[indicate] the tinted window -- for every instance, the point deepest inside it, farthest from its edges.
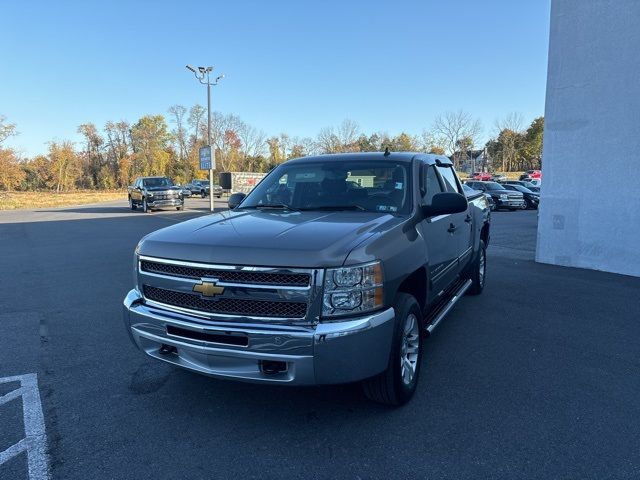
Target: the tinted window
(449, 178)
(432, 184)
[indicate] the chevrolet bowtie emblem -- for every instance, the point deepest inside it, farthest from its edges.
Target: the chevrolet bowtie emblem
(208, 289)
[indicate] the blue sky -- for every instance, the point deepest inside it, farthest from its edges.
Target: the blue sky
(290, 67)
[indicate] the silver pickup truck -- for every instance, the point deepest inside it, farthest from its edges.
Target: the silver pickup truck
(333, 269)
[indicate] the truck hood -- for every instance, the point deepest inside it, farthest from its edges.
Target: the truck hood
(267, 238)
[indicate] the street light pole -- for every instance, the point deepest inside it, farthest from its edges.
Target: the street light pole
(201, 73)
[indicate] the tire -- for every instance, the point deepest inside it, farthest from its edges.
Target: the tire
(397, 384)
(524, 206)
(145, 206)
(202, 194)
(132, 205)
(180, 207)
(478, 274)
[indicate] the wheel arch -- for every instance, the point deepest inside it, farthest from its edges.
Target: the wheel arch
(416, 284)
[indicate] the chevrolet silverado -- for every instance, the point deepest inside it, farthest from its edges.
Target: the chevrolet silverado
(333, 269)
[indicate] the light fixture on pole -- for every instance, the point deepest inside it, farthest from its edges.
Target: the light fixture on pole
(202, 74)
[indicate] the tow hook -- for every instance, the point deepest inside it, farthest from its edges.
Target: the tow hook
(167, 349)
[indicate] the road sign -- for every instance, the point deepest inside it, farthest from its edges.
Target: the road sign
(207, 162)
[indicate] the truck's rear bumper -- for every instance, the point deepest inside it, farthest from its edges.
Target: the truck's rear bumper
(327, 353)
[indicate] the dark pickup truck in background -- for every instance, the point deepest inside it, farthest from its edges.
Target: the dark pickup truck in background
(333, 269)
(201, 187)
(155, 192)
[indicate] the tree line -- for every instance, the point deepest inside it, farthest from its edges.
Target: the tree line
(111, 157)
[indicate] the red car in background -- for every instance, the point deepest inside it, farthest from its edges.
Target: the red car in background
(482, 176)
(534, 174)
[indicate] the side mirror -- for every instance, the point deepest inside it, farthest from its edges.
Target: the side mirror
(445, 203)
(235, 199)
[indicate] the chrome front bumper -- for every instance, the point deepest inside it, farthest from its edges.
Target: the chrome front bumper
(326, 353)
(167, 202)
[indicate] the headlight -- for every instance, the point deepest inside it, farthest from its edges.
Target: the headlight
(352, 289)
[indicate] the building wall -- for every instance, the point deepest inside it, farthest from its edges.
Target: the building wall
(590, 209)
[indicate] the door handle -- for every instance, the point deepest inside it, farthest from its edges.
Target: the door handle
(468, 218)
(452, 228)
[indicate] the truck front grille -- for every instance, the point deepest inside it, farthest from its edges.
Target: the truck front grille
(229, 306)
(228, 276)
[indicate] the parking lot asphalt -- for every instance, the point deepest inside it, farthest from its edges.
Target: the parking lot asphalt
(539, 377)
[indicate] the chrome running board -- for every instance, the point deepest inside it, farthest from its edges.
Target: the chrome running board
(441, 312)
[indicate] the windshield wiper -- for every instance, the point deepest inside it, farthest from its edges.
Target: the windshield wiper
(337, 207)
(275, 206)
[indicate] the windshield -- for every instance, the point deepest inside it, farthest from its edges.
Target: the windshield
(493, 186)
(157, 182)
(371, 186)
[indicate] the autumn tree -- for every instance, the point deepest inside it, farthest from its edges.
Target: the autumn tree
(65, 166)
(92, 157)
(150, 140)
(11, 172)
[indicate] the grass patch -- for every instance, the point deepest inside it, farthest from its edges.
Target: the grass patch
(16, 200)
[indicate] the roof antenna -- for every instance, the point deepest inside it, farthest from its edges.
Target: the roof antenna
(386, 151)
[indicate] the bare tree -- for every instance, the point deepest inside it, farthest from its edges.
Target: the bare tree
(348, 133)
(253, 144)
(342, 139)
(179, 133)
(513, 121)
(452, 127)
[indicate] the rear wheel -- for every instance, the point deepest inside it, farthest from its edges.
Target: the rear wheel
(479, 271)
(397, 384)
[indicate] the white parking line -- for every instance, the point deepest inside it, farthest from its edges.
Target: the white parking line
(35, 441)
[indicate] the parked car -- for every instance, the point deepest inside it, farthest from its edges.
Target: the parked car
(524, 183)
(502, 197)
(531, 174)
(470, 193)
(307, 281)
(483, 176)
(201, 187)
(185, 191)
(152, 193)
(532, 199)
(498, 178)
(535, 181)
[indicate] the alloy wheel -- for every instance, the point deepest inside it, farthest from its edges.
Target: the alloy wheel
(410, 349)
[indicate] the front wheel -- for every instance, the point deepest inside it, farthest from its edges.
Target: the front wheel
(145, 205)
(202, 194)
(479, 271)
(132, 205)
(397, 384)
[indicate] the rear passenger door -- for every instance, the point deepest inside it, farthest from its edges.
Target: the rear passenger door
(442, 249)
(460, 223)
